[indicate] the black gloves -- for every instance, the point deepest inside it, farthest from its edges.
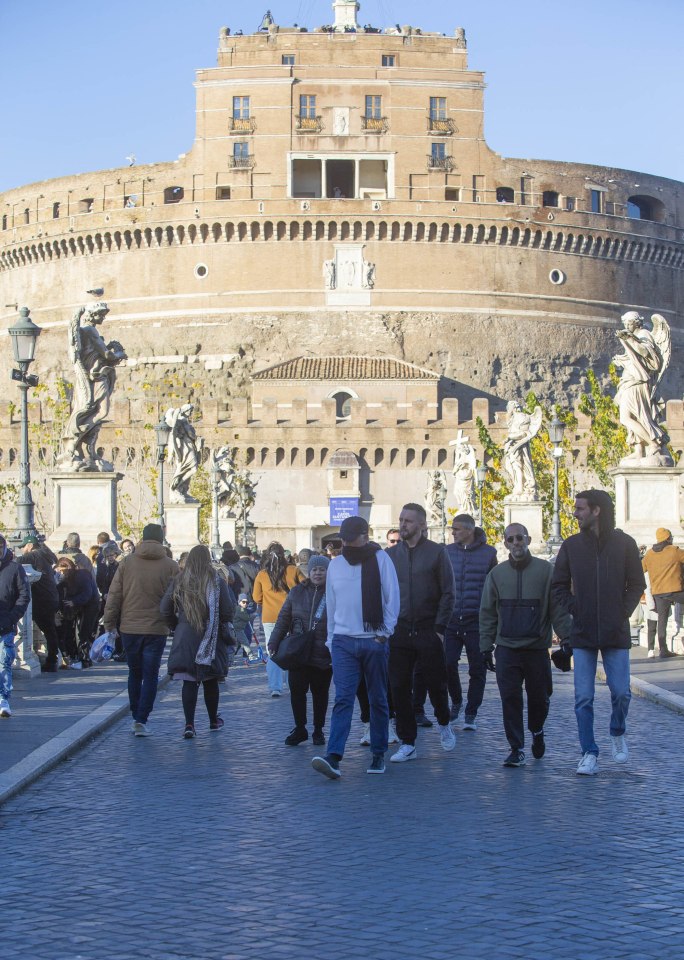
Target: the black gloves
(488, 658)
(562, 658)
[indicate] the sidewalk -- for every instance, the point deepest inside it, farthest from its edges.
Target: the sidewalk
(54, 714)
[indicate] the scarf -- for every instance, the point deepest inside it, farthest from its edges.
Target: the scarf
(206, 652)
(371, 585)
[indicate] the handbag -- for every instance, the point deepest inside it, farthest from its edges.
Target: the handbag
(295, 649)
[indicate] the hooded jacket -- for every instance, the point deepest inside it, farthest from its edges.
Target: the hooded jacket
(297, 615)
(15, 594)
(599, 581)
(137, 589)
(426, 584)
(471, 563)
(663, 564)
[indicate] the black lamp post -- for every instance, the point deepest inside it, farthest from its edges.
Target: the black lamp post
(24, 335)
(215, 482)
(481, 474)
(163, 431)
(556, 431)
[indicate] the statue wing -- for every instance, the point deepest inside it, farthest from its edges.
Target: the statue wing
(75, 336)
(663, 340)
(535, 422)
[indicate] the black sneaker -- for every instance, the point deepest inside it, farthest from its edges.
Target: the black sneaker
(328, 766)
(453, 713)
(667, 653)
(377, 764)
(422, 720)
(516, 758)
(538, 745)
(298, 735)
(318, 739)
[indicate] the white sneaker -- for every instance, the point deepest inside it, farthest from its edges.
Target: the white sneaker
(392, 732)
(470, 723)
(142, 730)
(75, 665)
(5, 708)
(588, 765)
(447, 736)
(365, 739)
(620, 749)
(405, 752)
(651, 654)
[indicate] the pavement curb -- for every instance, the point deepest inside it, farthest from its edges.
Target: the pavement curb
(44, 758)
(649, 691)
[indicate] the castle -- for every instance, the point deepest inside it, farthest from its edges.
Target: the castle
(340, 263)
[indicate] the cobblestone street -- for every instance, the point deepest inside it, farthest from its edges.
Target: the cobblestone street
(231, 847)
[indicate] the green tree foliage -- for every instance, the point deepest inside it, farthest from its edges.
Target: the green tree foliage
(607, 437)
(200, 489)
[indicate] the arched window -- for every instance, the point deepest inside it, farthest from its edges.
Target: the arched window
(645, 208)
(505, 195)
(342, 404)
(173, 194)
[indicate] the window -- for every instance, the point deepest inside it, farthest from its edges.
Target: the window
(646, 208)
(505, 195)
(388, 60)
(86, 205)
(596, 201)
(342, 405)
(27, 215)
(438, 151)
(438, 109)
(173, 194)
(570, 203)
(307, 106)
(55, 211)
(288, 60)
(373, 108)
(4, 221)
(240, 108)
(549, 198)
(241, 149)
(223, 193)
(452, 193)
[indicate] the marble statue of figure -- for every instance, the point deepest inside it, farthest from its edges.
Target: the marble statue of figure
(465, 464)
(435, 497)
(227, 474)
(94, 378)
(460, 35)
(517, 460)
(329, 274)
(644, 360)
(368, 274)
(186, 448)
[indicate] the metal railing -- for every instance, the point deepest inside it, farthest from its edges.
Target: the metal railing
(241, 163)
(443, 127)
(310, 124)
(440, 163)
(242, 125)
(374, 124)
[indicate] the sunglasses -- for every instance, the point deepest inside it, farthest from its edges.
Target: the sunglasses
(394, 541)
(516, 538)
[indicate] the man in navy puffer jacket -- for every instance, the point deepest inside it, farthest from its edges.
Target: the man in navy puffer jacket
(471, 558)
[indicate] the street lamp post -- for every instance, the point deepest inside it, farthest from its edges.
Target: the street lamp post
(556, 431)
(163, 431)
(481, 474)
(24, 335)
(215, 483)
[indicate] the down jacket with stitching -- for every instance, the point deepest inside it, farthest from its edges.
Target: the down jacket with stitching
(471, 563)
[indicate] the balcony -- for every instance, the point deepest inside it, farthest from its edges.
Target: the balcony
(241, 125)
(241, 163)
(309, 124)
(443, 128)
(440, 163)
(374, 124)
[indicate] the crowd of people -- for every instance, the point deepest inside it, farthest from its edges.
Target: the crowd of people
(387, 626)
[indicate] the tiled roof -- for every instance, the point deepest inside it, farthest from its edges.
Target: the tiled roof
(345, 368)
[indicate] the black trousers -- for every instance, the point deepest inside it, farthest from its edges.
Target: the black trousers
(533, 669)
(44, 617)
(364, 703)
(663, 604)
(317, 681)
(426, 650)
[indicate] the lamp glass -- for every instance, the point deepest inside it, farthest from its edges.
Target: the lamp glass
(163, 431)
(24, 335)
(556, 431)
(481, 472)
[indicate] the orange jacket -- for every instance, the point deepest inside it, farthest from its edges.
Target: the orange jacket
(272, 600)
(664, 569)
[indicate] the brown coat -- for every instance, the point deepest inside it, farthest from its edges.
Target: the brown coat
(137, 589)
(664, 568)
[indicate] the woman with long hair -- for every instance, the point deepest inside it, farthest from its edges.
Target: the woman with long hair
(271, 587)
(78, 595)
(199, 606)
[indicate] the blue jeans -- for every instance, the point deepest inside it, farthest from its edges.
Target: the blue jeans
(353, 657)
(143, 653)
(275, 676)
(616, 666)
(7, 653)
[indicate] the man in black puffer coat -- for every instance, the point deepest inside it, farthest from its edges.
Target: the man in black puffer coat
(598, 579)
(15, 596)
(304, 609)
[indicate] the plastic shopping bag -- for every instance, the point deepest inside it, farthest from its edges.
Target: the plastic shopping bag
(103, 647)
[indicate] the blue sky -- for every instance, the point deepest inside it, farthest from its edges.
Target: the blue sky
(85, 84)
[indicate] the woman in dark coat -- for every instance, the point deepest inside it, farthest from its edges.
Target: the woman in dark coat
(199, 607)
(78, 597)
(304, 609)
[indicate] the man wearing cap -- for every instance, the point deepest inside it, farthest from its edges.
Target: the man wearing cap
(45, 600)
(663, 565)
(362, 601)
(15, 597)
(132, 608)
(517, 615)
(598, 579)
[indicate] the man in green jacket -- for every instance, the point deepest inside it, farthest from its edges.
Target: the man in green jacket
(517, 615)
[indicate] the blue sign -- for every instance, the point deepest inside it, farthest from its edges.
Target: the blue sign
(341, 508)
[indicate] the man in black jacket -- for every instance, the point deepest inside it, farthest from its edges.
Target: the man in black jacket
(598, 579)
(15, 596)
(426, 588)
(45, 598)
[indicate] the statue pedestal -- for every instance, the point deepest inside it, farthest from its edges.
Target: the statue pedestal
(182, 526)
(226, 530)
(647, 498)
(85, 503)
(529, 513)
